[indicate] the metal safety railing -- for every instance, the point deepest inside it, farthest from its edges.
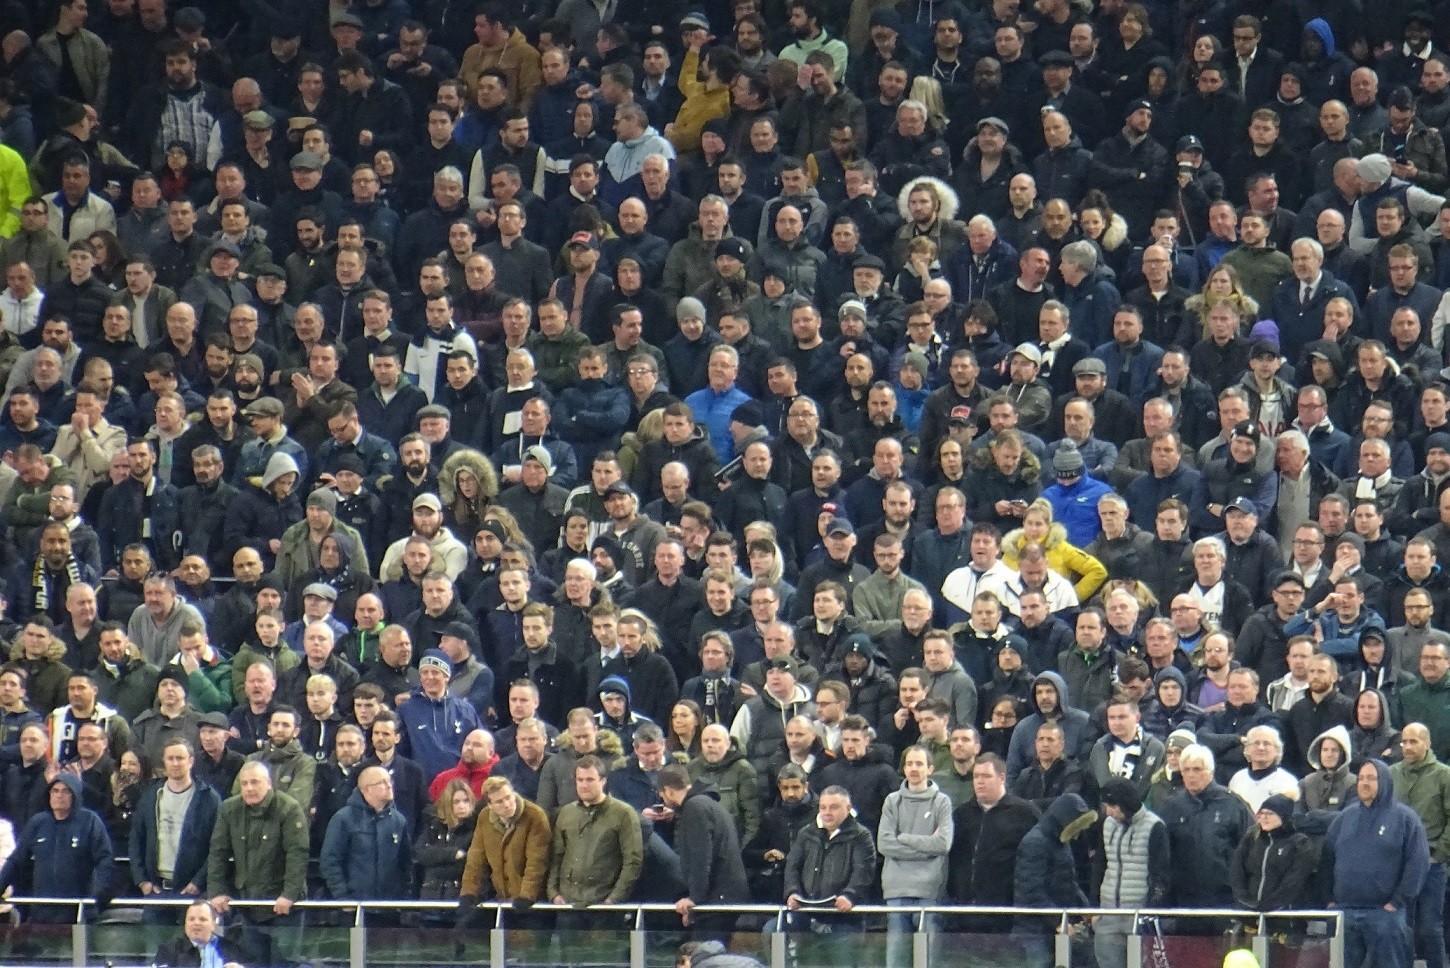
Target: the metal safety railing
(773, 921)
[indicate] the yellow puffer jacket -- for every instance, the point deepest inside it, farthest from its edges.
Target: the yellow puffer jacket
(1085, 572)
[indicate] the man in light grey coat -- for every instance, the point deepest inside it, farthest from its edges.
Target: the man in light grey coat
(914, 838)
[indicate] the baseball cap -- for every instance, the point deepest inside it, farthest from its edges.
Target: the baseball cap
(1028, 351)
(428, 501)
(838, 526)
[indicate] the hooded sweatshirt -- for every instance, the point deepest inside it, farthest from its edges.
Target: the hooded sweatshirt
(1378, 853)
(914, 838)
(1075, 725)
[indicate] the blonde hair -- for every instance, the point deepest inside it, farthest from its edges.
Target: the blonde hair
(444, 806)
(651, 426)
(1039, 506)
(928, 91)
(649, 631)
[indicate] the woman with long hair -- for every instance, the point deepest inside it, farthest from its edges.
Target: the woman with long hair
(442, 846)
(1106, 229)
(111, 257)
(686, 722)
(1222, 284)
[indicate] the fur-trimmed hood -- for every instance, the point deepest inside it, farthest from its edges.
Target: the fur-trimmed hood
(1029, 468)
(54, 652)
(1016, 539)
(950, 203)
(1199, 303)
(471, 460)
(1115, 234)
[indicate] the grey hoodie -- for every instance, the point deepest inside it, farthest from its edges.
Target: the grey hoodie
(914, 838)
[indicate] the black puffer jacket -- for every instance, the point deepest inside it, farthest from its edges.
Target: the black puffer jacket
(441, 852)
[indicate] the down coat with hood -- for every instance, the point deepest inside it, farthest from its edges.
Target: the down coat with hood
(1085, 572)
(1045, 875)
(985, 485)
(948, 233)
(1075, 723)
(1377, 854)
(1271, 871)
(483, 471)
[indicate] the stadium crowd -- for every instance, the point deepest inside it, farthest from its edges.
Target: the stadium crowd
(794, 451)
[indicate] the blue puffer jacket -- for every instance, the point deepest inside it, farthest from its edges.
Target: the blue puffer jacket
(1044, 876)
(367, 853)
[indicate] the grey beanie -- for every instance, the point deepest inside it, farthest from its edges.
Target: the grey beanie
(690, 308)
(917, 361)
(1067, 462)
(277, 465)
(1374, 169)
(323, 498)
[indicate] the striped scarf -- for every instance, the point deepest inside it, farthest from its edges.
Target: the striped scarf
(40, 580)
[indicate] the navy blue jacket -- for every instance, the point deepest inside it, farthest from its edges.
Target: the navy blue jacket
(192, 846)
(367, 853)
(61, 858)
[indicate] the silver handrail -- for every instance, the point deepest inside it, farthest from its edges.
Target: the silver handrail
(772, 913)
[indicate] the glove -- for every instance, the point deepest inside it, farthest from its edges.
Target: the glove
(523, 903)
(467, 902)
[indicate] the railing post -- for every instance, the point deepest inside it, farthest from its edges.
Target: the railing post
(637, 941)
(1336, 943)
(80, 940)
(1260, 946)
(1062, 944)
(1134, 942)
(357, 945)
(778, 944)
(497, 956)
(921, 941)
